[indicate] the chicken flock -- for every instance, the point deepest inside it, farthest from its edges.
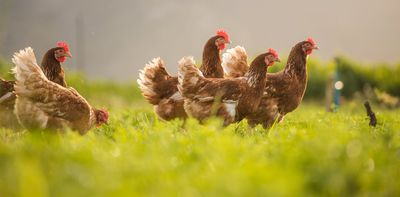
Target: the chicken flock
(226, 85)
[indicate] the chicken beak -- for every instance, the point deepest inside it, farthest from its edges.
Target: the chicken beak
(228, 42)
(277, 60)
(68, 54)
(316, 47)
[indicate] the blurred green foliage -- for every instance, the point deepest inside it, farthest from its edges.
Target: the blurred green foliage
(356, 76)
(5, 69)
(312, 153)
(104, 93)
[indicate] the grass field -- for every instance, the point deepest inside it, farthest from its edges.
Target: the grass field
(312, 153)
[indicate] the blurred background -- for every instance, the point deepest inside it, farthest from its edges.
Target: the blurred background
(113, 39)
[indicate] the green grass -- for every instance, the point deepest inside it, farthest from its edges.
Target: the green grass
(312, 153)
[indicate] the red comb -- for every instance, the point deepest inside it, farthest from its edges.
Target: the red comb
(221, 32)
(105, 112)
(310, 40)
(63, 45)
(273, 52)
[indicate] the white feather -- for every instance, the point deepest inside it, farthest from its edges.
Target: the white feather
(177, 96)
(231, 57)
(230, 107)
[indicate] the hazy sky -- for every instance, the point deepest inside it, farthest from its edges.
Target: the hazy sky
(120, 36)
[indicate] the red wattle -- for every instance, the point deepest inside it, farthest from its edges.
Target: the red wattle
(221, 47)
(61, 59)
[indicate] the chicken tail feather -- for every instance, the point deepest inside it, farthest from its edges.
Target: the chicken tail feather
(234, 62)
(188, 75)
(153, 74)
(25, 65)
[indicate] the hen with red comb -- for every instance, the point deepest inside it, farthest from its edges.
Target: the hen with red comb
(231, 99)
(284, 90)
(101, 116)
(222, 39)
(43, 104)
(51, 63)
(310, 46)
(51, 66)
(211, 62)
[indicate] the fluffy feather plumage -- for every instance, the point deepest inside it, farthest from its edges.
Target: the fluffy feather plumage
(284, 90)
(159, 88)
(44, 104)
(52, 69)
(234, 62)
(232, 99)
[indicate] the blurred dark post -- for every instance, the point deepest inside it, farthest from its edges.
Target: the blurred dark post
(329, 88)
(338, 85)
(336, 97)
(80, 43)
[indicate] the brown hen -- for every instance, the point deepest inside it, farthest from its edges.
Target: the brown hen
(43, 104)
(284, 90)
(231, 99)
(51, 65)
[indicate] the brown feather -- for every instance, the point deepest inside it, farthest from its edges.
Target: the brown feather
(211, 64)
(160, 88)
(201, 94)
(42, 103)
(284, 90)
(53, 71)
(52, 68)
